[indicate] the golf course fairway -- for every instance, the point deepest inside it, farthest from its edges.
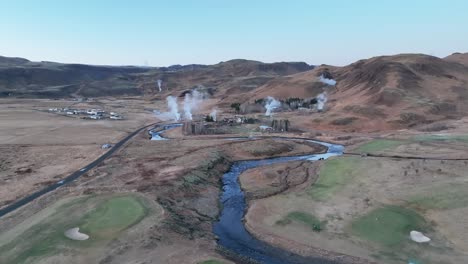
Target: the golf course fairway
(103, 218)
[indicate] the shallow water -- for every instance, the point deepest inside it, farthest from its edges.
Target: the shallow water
(156, 135)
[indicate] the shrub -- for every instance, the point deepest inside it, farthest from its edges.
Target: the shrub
(209, 118)
(260, 101)
(251, 120)
(236, 107)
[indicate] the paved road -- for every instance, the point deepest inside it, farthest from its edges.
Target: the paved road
(70, 177)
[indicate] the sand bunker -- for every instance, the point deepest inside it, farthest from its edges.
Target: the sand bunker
(419, 237)
(74, 234)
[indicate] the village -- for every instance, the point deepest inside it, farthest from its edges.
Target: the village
(93, 114)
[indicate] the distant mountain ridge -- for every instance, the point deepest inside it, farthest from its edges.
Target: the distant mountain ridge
(12, 61)
(23, 78)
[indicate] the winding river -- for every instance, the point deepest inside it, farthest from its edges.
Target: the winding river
(230, 228)
(156, 134)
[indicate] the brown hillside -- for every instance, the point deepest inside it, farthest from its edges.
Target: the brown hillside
(386, 92)
(461, 58)
(226, 79)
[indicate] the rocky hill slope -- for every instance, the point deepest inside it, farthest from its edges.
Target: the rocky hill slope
(382, 92)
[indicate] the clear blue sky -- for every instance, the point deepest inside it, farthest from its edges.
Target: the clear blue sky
(132, 32)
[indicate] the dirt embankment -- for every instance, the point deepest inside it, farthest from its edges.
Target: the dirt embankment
(271, 180)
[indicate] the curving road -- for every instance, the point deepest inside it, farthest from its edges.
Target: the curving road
(71, 177)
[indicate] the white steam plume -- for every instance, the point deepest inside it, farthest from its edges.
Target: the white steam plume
(191, 103)
(159, 85)
(188, 107)
(173, 107)
(271, 104)
(321, 100)
(213, 114)
(327, 81)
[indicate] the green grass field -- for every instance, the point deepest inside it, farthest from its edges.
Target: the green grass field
(443, 138)
(304, 218)
(333, 175)
(389, 226)
(442, 197)
(379, 144)
(102, 218)
(386, 144)
(112, 216)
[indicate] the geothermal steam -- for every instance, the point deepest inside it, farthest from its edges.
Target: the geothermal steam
(271, 104)
(213, 114)
(173, 108)
(321, 100)
(159, 84)
(327, 81)
(191, 103)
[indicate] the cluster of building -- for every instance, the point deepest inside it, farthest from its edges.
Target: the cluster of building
(236, 119)
(95, 114)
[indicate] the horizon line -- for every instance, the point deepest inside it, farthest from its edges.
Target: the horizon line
(223, 61)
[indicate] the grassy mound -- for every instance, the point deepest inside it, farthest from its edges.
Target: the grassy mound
(112, 216)
(269, 147)
(389, 226)
(102, 218)
(334, 174)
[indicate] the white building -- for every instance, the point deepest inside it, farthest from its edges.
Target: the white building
(95, 112)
